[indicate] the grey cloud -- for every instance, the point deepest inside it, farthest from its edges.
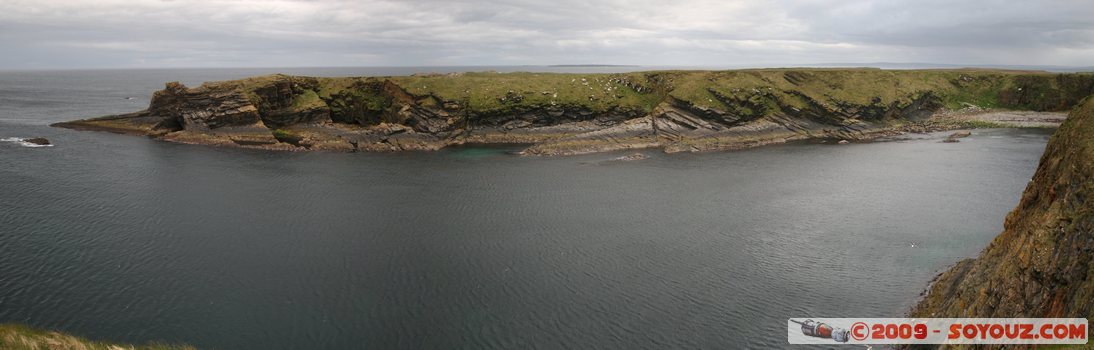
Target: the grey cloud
(151, 33)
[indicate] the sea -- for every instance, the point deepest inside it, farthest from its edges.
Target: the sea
(129, 239)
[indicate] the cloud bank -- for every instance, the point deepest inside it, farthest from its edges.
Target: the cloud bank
(266, 33)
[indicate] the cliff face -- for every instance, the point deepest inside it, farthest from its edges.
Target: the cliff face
(1042, 264)
(560, 114)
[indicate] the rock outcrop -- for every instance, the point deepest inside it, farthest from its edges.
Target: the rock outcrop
(1042, 264)
(566, 114)
(41, 141)
(955, 137)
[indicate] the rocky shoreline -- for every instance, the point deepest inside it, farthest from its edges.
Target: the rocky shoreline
(569, 114)
(1041, 264)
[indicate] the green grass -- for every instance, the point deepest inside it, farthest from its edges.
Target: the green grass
(749, 92)
(854, 86)
(984, 124)
(307, 100)
(282, 134)
(483, 92)
(488, 92)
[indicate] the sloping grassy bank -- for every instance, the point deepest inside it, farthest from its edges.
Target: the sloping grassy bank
(20, 337)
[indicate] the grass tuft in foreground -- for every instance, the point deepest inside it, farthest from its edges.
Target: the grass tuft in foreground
(20, 337)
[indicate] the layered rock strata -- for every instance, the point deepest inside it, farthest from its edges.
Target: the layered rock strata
(567, 114)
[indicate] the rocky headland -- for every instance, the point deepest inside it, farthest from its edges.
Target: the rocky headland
(566, 114)
(1042, 264)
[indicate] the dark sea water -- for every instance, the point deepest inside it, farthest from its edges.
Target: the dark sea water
(129, 239)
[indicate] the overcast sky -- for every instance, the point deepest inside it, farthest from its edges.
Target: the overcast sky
(279, 33)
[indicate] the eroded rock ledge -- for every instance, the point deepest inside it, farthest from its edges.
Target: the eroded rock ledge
(566, 114)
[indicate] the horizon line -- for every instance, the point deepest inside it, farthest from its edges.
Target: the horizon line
(878, 65)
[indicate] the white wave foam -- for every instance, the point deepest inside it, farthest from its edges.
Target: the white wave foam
(23, 143)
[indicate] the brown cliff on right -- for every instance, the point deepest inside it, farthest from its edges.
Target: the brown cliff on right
(1041, 264)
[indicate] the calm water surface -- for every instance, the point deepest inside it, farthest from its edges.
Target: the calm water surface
(130, 239)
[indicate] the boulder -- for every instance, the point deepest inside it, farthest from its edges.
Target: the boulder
(41, 141)
(631, 157)
(955, 136)
(960, 134)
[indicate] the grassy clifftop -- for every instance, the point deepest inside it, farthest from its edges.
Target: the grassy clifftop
(494, 93)
(956, 88)
(677, 111)
(500, 93)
